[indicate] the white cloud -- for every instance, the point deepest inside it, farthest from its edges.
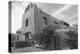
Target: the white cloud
(62, 9)
(17, 12)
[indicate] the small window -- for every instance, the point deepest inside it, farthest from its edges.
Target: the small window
(45, 20)
(26, 22)
(28, 7)
(17, 38)
(66, 24)
(56, 22)
(31, 5)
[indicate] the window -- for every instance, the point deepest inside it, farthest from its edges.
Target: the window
(17, 38)
(31, 5)
(28, 7)
(45, 20)
(66, 24)
(26, 22)
(55, 22)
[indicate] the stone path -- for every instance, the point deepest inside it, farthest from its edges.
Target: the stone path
(27, 49)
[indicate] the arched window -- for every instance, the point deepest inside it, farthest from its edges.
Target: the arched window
(26, 22)
(28, 7)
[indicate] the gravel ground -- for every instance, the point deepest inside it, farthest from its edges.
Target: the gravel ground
(27, 49)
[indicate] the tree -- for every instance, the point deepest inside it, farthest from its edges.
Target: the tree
(73, 41)
(44, 38)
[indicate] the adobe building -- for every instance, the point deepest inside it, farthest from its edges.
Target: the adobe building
(34, 20)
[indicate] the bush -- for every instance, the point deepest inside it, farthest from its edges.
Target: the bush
(73, 41)
(22, 44)
(44, 38)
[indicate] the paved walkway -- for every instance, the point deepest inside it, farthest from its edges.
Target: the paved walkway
(27, 49)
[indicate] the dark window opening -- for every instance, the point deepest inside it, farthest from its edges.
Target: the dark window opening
(18, 38)
(66, 24)
(26, 22)
(56, 22)
(45, 20)
(31, 5)
(28, 7)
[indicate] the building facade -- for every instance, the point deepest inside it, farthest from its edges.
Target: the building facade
(34, 20)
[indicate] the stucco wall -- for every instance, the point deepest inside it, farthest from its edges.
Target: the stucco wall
(30, 16)
(36, 21)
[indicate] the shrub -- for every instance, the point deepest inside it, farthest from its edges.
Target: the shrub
(44, 38)
(73, 41)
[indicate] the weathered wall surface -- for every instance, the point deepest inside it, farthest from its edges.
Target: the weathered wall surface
(36, 22)
(30, 16)
(38, 19)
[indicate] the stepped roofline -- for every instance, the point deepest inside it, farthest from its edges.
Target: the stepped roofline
(31, 5)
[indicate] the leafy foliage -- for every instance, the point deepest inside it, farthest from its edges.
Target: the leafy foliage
(44, 37)
(73, 41)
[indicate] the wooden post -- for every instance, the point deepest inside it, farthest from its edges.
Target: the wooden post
(9, 28)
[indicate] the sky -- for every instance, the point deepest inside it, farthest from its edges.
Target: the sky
(65, 12)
